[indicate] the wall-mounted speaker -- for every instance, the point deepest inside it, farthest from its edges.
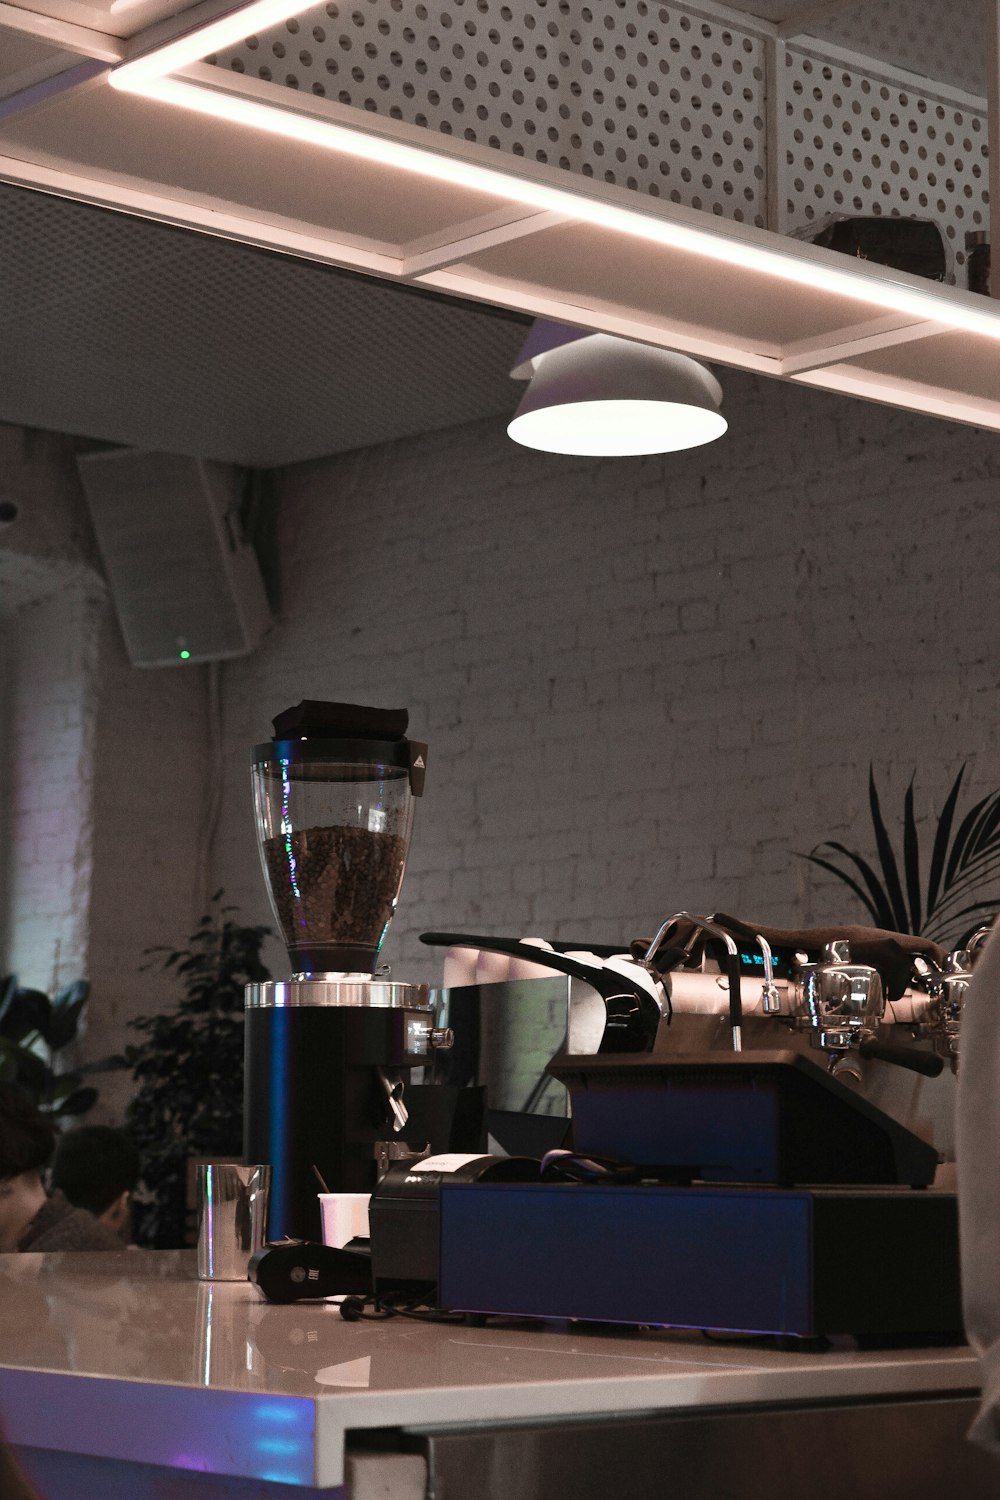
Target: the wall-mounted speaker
(185, 584)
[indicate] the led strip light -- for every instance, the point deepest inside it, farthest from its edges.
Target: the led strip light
(149, 76)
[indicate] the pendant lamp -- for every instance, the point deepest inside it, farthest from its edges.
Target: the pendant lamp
(595, 395)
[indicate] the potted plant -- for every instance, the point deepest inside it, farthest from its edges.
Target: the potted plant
(189, 1069)
(34, 1030)
(953, 900)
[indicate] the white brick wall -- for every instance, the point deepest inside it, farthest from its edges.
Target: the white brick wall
(50, 713)
(103, 771)
(645, 683)
(148, 799)
(50, 599)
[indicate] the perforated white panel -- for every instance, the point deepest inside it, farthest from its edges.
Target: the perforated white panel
(857, 143)
(671, 100)
(125, 329)
(659, 98)
(942, 40)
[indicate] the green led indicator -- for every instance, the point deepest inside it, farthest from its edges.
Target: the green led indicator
(185, 655)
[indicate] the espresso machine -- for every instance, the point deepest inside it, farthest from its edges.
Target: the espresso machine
(331, 1050)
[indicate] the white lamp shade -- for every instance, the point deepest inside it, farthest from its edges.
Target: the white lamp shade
(600, 396)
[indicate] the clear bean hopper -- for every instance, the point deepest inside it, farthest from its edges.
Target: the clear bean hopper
(334, 819)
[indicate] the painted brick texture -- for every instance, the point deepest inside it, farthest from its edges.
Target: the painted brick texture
(645, 683)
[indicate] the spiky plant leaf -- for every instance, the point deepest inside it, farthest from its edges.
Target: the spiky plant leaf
(960, 867)
(887, 859)
(911, 860)
(875, 900)
(962, 838)
(941, 836)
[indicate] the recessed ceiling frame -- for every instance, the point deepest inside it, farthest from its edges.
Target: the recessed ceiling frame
(164, 64)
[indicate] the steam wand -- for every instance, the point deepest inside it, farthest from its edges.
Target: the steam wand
(732, 965)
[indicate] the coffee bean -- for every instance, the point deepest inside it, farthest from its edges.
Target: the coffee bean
(335, 884)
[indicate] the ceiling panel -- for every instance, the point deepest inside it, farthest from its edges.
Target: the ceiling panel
(125, 330)
(954, 361)
(25, 61)
(755, 313)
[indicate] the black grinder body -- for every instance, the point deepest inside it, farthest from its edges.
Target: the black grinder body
(316, 1100)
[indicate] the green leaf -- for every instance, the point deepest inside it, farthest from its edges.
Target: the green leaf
(188, 1065)
(60, 1086)
(887, 859)
(962, 837)
(964, 938)
(941, 837)
(985, 836)
(24, 1067)
(911, 860)
(76, 1103)
(8, 987)
(115, 1062)
(877, 902)
(62, 1024)
(984, 910)
(978, 873)
(26, 1011)
(72, 994)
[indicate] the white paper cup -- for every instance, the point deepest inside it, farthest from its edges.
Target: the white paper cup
(344, 1216)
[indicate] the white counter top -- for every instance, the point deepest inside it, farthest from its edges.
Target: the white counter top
(130, 1357)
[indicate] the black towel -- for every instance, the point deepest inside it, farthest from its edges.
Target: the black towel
(340, 721)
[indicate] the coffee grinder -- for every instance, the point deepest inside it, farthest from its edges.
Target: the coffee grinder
(329, 1052)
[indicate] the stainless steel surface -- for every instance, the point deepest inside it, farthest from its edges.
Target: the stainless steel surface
(394, 1095)
(506, 1033)
(707, 925)
(387, 1152)
(342, 990)
(232, 1218)
(770, 999)
(838, 1002)
(942, 1020)
(977, 941)
(890, 1451)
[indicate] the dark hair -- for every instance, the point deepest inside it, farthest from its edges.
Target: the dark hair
(94, 1165)
(26, 1135)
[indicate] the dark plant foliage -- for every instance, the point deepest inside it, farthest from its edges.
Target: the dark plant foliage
(964, 862)
(189, 1068)
(34, 1029)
